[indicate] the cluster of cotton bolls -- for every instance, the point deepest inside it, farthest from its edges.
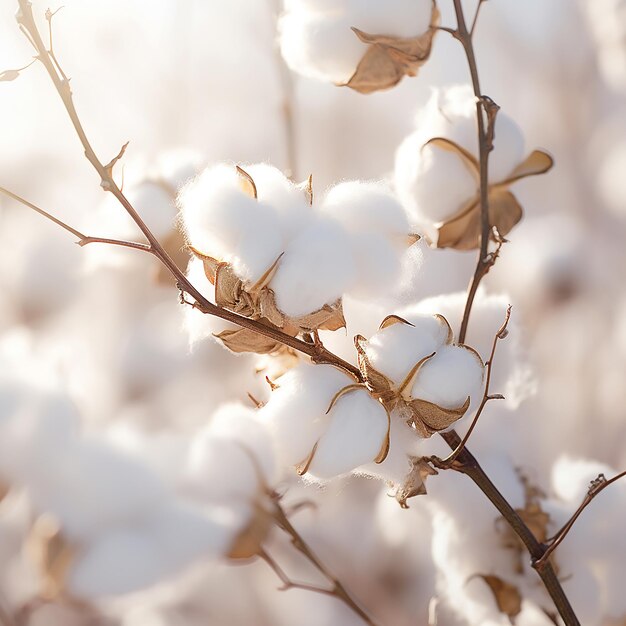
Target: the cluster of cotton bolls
(317, 39)
(270, 251)
(417, 382)
(107, 523)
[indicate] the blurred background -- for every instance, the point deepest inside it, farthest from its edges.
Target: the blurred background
(203, 81)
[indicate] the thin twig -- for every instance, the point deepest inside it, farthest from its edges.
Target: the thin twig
(317, 353)
(465, 460)
(287, 582)
(448, 462)
(596, 487)
(475, 20)
(338, 590)
(83, 239)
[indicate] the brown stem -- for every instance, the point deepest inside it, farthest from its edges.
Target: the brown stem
(317, 353)
(338, 590)
(482, 266)
(501, 334)
(597, 486)
(465, 461)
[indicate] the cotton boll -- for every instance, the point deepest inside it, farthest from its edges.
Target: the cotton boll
(571, 477)
(221, 469)
(223, 222)
(394, 350)
(316, 269)
(91, 487)
(450, 377)
(356, 432)
(319, 46)
(288, 200)
(136, 557)
(296, 410)
(403, 444)
(317, 40)
(241, 424)
(432, 183)
(378, 265)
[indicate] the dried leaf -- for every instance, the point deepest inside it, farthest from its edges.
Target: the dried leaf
(388, 59)
(9, 75)
(249, 541)
(384, 448)
(538, 162)
(507, 596)
(446, 323)
(51, 553)
(265, 280)
(210, 264)
(309, 189)
(303, 468)
(415, 482)
(228, 290)
(242, 340)
(329, 317)
(378, 383)
(462, 232)
(412, 238)
(469, 160)
(342, 392)
(246, 183)
(430, 418)
(390, 320)
(536, 519)
(409, 379)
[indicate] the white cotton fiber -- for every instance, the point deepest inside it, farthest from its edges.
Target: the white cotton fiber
(357, 429)
(453, 374)
(434, 183)
(90, 487)
(403, 444)
(139, 556)
(317, 41)
(367, 207)
(222, 221)
(394, 350)
(296, 411)
(378, 228)
(316, 269)
(289, 201)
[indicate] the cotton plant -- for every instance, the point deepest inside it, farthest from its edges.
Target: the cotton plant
(283, 272)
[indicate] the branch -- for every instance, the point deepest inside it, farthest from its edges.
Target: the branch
(598, 485)
(448, 462)
(317, 353)
(338, 590)
(83, 240)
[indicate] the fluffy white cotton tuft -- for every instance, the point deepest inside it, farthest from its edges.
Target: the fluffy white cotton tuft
(394, 350)
(434, 183)
(450, 377)
(316, 269)
(296, 411)
(316, 37)
(222, 221)
(231, 458)
(356, 432)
